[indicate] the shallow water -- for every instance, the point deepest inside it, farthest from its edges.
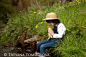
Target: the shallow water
(17, 52)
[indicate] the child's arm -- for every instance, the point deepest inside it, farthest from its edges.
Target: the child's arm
(49, 35)
(49, 28)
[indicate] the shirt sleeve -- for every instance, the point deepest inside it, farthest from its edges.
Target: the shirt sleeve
(61, 31)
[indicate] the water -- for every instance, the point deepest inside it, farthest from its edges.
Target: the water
(17, 52)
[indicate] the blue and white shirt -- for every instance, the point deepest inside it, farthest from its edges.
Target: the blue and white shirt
(61, 30)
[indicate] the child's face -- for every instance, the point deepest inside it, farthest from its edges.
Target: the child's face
(51, 24)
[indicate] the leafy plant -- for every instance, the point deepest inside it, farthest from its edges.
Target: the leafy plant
(5, 10)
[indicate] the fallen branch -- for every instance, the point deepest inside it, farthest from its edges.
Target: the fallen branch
(35, 38)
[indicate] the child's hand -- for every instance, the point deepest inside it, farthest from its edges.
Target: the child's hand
(48, 38)
(50, 32)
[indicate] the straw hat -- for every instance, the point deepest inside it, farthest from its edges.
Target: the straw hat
(51, 16)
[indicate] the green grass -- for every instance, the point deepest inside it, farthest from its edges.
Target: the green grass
(1, 24)
(72, 15)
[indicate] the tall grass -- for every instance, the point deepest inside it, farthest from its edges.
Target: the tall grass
(72, 14)
(74, 43)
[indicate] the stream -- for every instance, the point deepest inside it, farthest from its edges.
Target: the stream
(16, 52)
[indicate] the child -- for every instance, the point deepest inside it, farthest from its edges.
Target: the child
(57, 32)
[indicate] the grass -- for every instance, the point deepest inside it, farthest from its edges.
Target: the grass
(1, 24)
(71, 14)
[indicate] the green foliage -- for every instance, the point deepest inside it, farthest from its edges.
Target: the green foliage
(74, 43)
(71, 14)
(4, 10)
(1, 24)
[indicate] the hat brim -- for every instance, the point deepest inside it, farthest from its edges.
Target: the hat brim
(51, 19)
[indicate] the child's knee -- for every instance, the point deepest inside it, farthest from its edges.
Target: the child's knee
(42, 46)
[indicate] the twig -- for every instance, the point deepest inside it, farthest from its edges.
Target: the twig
(38, 5)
